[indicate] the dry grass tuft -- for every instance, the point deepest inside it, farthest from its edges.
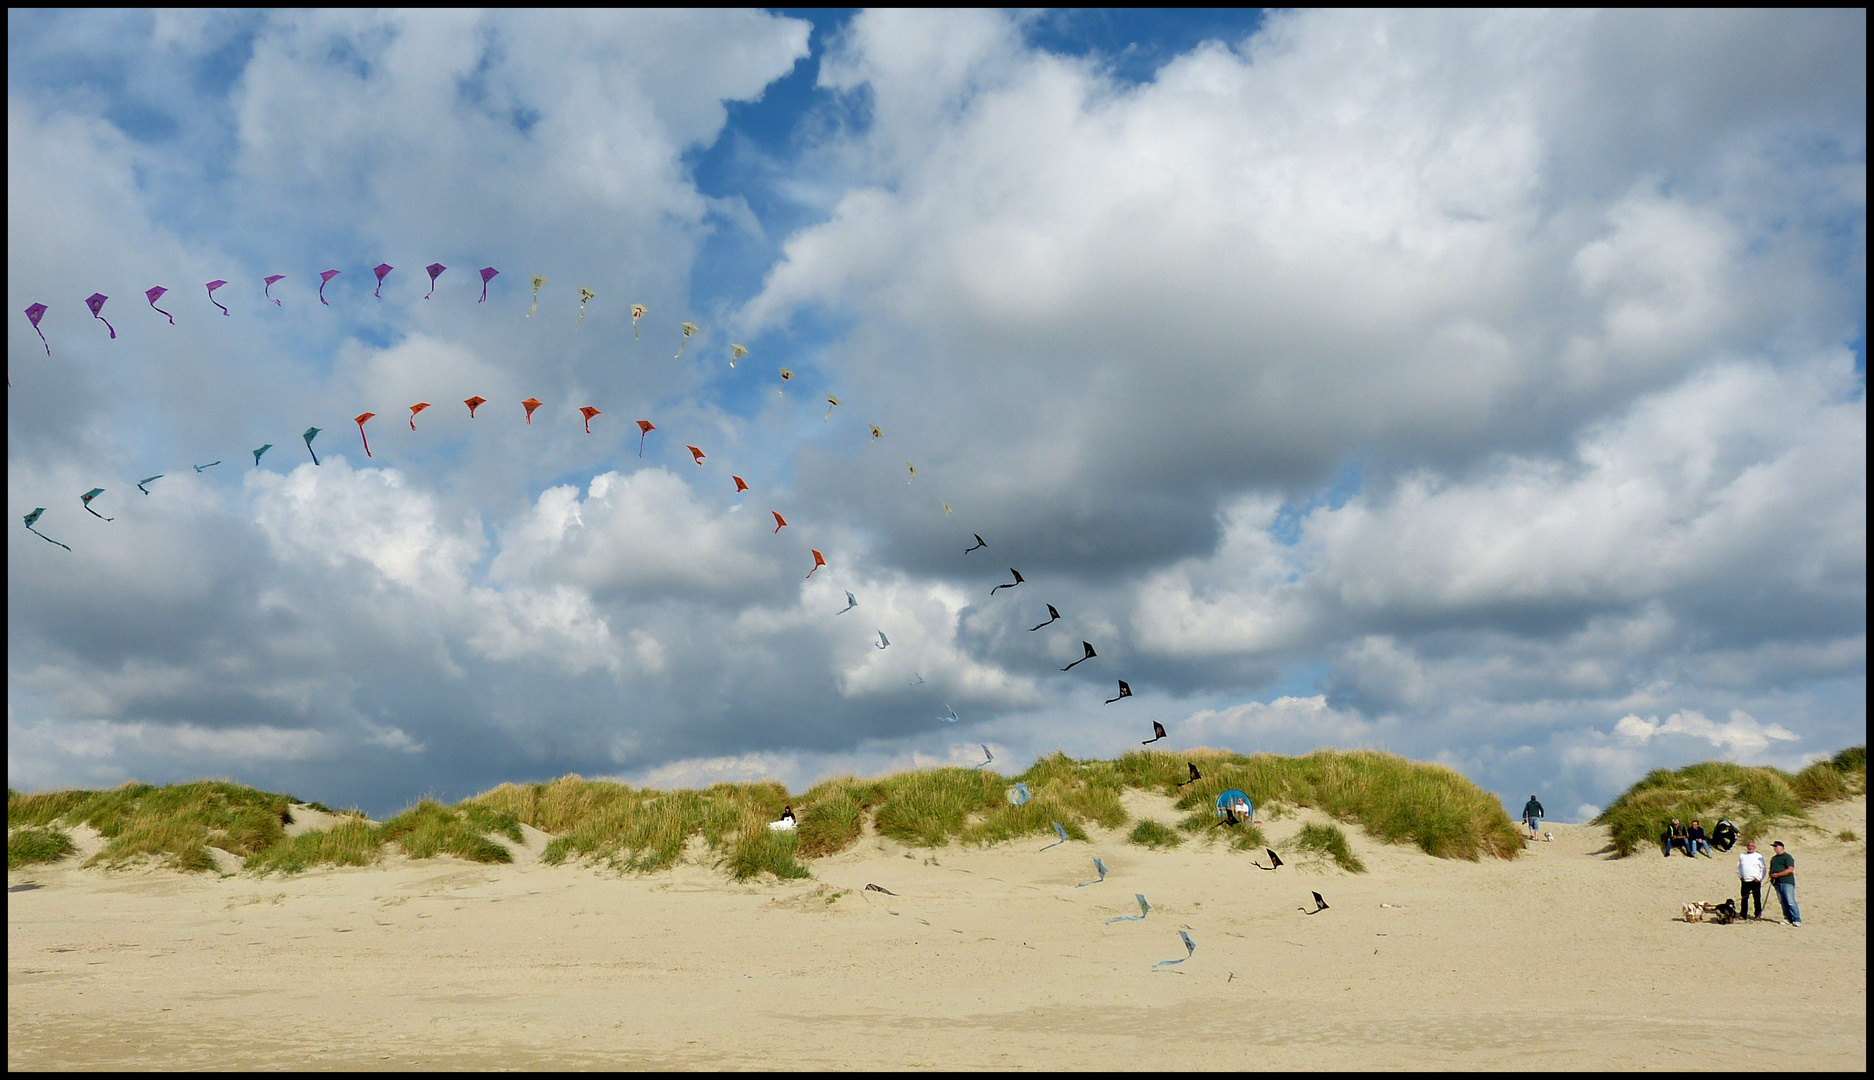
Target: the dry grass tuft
(31, 845)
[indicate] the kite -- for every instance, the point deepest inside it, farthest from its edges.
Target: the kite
(86, 499)
(1144, 910)
(688, 329)
(916, 680)
(980, 543)
(741, 485)
(637, 312)
(359, 420)
(153, 294)
(851, 602)
(96, 303)
(645, 427)
(987, 756)
(779, 521)
(1058, 831)
(488, 274)
(876, 432)
(697, 454)
(538, 281)
(325, 276)
(830, 402)
(473, 404)
(259, 452)
(414, 409)
(819, 560)
(883, 641)
(210, 465)
(588, 412)
(1011, 584)
(530, 405)
(1274, 860)
(950, 719)
(33, 517)
(1087, 645)
(1019, 794)
(786, 374)
(1158, 732)
(913, 469)
(435, 271)
(1097, 865)
(381, 269)
(1195, 775)
(1235, 808)
(878, 888)
(35, 312)
(736, 352)
(1320, 905)
(266, 289)
(148, 480)
(1053, 617)
(585, 294)
(311, 433)
(1125, 690)
(946, 509)
(1189, 948)
(212, 286)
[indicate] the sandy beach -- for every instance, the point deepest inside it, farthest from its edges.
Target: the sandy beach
(984, 959)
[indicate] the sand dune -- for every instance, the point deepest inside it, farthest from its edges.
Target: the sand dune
(985, 958)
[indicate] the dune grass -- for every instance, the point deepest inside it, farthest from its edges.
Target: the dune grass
(354, 842)
(1754, 797)
(1330, 842)
(31, 845)
(1153, 835)
(175, 825)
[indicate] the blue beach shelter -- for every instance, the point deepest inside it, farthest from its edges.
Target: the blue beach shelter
(1237, 801)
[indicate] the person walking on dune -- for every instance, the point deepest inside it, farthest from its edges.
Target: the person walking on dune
(1783, 877)
(1750, 874)
(1532, 816)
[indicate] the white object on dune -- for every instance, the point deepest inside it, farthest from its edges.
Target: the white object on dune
(783, 825)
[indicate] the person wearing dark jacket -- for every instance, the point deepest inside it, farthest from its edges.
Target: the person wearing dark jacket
(1532, 815)
(1676, 838)
(1695, 839)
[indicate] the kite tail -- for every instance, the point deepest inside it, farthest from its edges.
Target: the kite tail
(484, 298)
(44, 537)
(160, 311)
(322, 298)
(634, 331)
(217, 303)
(48, 345)
(108, 326)
(535, 306)
(367, 442)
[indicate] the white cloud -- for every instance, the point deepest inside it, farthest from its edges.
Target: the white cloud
(1742, 734)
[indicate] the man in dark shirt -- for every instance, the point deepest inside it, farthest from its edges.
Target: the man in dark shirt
(1783, 877)
(1532, 815)
(1695, 839)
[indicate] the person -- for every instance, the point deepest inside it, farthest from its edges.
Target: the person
(1724, 834)
(1675, 838)
(1532, 815)
(1783, 877)
(1750, 874)
(1695, 839)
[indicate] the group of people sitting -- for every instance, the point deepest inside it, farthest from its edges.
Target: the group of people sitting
(1691, 839)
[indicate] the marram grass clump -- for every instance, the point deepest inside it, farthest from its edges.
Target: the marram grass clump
(1329, 842)
(1753, 797)
(28, 846)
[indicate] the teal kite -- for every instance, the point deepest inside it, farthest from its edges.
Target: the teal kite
(148, 480)
(86, 499)
(259, 452)
(308, 436)
(33, 517)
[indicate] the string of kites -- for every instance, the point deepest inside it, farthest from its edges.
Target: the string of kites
(36, 312)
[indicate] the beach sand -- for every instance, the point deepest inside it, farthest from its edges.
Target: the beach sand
(985, 958)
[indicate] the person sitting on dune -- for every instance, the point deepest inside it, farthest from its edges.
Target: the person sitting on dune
(1675, 839)
(786, 821)
(1695, 839)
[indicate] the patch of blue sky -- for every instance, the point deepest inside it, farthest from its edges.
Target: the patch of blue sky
(1132, 44)
(1345, 484)
(1302, 680)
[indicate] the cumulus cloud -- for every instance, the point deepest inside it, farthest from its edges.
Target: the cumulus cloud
(1443, 382)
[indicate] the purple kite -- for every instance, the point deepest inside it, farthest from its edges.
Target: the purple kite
(96, 303)
(324, 277)
(435, 271)
(487, 273)
(34, 314)
(212, 286)
(153, 294)
(268, 291)
(380, 270)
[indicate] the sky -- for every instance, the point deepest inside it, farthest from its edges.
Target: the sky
(1485, 388)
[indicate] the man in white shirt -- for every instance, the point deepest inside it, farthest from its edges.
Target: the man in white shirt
(1750, 872)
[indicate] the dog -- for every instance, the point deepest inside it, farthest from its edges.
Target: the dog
(1721, 913)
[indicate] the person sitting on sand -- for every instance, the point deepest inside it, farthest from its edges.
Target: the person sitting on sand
(1750, 873)
(1695, 839)
(1675, 839)
(786, 820)
(1532, 816)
